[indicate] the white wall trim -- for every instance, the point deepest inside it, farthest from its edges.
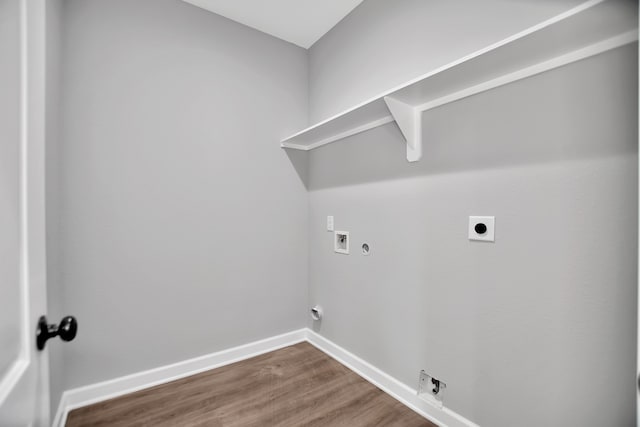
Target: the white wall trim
(533, 70)
(94, 393)
(385, 382)
(87, 395)
(558, 18)
(512, 77)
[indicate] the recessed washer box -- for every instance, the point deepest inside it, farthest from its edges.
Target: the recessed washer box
(341, 242)
(482, 228)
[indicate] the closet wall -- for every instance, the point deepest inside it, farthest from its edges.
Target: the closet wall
(177, 227)
(181, 228)
(534, 328)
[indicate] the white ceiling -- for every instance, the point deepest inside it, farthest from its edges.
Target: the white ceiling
(301, 22)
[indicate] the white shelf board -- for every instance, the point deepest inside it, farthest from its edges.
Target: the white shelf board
(586, 30)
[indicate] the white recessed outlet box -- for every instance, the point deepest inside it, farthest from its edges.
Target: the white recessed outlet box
(316, 313)
(341, 242)
(330, 223)
(482, 228)
(431, 389)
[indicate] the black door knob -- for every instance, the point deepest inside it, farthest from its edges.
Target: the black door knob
(66, 330)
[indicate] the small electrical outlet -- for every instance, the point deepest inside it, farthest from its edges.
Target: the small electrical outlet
(431, 389)
(366, 249)
(341, 242)
(316, 313)
(482, 228)
(330, 223)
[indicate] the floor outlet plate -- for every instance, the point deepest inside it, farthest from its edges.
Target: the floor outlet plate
(430, 389)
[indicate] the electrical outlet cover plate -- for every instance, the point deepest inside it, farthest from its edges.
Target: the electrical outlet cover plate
(341, 242)
(426, 387)
(489, 230)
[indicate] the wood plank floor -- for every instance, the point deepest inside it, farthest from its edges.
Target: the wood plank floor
(294, 386)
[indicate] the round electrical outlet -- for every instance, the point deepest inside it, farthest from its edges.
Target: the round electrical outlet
(365, 249)
(480, 228)
(316, 313)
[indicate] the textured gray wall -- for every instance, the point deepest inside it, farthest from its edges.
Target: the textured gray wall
(533, 329)
(382, 44)
(182, 224)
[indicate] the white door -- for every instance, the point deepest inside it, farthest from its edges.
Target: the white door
(24, 398)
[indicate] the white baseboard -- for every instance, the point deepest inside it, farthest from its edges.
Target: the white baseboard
(87, 395)
(442, 416)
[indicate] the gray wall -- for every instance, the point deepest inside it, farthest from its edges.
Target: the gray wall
(182, 224)
(55, 303)
(536, 329)
(383, 43)
(181, 228)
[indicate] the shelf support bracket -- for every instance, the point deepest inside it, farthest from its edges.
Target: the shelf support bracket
(409, 120)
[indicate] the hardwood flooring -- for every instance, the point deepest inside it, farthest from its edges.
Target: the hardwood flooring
(294, 386)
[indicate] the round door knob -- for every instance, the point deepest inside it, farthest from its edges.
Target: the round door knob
(68, 328)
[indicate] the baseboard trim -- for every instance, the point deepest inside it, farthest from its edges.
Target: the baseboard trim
(94, 393)
(408, 396)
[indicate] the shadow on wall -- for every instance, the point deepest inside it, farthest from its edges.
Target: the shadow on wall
(514, 125)
(300, 161)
